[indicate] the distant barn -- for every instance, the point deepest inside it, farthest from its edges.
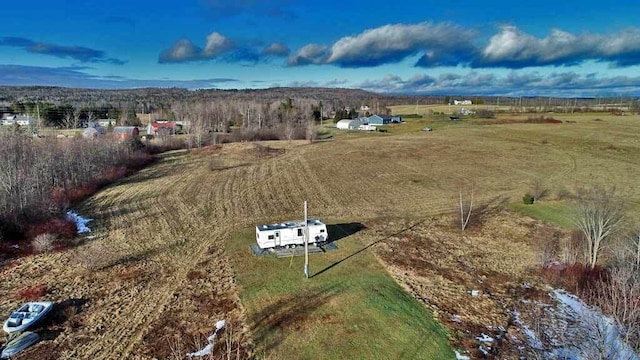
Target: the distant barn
(378, 120)
(125, 132)
(161, 127)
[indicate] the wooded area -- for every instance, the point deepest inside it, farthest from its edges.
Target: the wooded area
(41, 177)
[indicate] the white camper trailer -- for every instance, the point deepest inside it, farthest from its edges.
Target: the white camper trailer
(290, 233)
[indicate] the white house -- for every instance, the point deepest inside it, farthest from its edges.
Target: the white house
(106, 122)
(22, 120)
(290, 233)
(349, 124)
(461, 102)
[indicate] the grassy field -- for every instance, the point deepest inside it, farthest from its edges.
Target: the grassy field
(350, 307)
(170, 253)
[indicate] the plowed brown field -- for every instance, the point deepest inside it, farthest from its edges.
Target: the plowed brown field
(162, 275)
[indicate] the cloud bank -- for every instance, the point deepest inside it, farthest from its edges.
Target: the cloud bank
(514, 49)
(221, 48)
(79, 53)
(276, 49)
(184, 50)
(561, 84)
(77, 77)
(447, 44)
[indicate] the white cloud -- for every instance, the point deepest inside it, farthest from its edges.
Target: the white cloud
(276, 49)
(441, 44)
(216, 45)
(309, 54)
(393, 43)
(512, 48)
(182, 50)
(446, 44)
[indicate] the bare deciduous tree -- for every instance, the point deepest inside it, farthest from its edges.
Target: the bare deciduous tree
(465, 205)
(598, 215)
(635, 244)
(71, 119)
(538, 190)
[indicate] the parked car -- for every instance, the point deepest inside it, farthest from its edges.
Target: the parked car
(426, 129)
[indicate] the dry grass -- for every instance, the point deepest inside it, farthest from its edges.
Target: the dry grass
(165, 228)
(442, 267)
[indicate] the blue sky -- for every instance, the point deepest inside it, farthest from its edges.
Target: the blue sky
(561, 48)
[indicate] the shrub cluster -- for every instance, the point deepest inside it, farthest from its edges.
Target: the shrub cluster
(61, 226)
(576, 277)
(528, 199)
(32, 293)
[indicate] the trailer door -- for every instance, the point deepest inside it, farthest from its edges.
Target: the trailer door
(277, 240)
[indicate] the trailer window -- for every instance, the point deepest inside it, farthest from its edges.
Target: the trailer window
(299, 232)
(270, 237)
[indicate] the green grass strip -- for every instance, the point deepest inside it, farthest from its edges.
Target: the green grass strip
(350, 308)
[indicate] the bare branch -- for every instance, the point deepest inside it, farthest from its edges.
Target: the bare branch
(599, 213)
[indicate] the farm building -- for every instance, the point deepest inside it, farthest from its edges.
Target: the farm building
(290, 233)
(460, 102)
(125, 132)
(22, 120)
(162, 127)
(378, 120)
(93, 131)
(349, 124)
(106, 122)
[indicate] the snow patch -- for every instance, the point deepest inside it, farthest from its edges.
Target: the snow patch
(484, 338)
(484, 351)
(602, 334)
(209, 348)
(531, 337)
(80, 221)
(573, 330)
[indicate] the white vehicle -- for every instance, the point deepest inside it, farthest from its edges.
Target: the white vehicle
(290, 233)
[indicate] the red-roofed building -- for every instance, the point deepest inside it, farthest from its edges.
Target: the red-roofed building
(161, 127)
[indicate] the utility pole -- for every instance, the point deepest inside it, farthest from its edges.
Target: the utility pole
(38, 110)
(306, 242)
